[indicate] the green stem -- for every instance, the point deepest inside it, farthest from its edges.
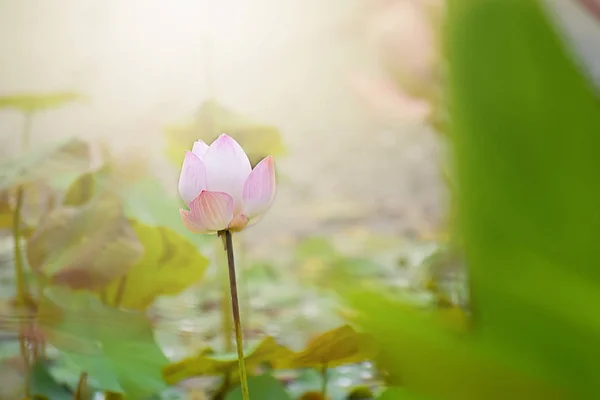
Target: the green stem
(324, 381)
(226, 319)
(16, 231)
(16, 228)
(20, 283)
(236, 315)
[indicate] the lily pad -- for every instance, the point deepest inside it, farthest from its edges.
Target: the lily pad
(207, 364)
(86, 247)
(336, 347)
(114, 347)
(170, 264)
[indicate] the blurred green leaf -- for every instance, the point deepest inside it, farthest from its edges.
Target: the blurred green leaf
(318, 247)
(115, 347)
(258, 140)
(262, 387)
(147, 202)
(395, 393)
(427, 359)
(526, 132)
(46, 164)
(170, 264)
(38, 102)
(86, 247)
(85, 187)
(216, 364)
(43, 385)
(336, 347)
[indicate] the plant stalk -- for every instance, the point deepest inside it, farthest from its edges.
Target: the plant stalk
(236, 315)
(21, 288)
(324, 381)
(226, 318)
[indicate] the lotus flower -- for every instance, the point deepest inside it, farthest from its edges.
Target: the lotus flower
(221, 189)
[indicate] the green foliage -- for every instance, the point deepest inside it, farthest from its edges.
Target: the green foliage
(38, 102)
(526, 125)
(427, 358)
(146, 201)
(115, 347)
(43, 385)
(206, 363)
(336, 347)
(262, 387)
(258, 140)
(525, 131)
(169, 265)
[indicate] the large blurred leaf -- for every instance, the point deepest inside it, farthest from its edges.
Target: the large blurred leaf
(42, 165)
(258, 140)
(262, 387)
(338, 346)
(85, 247)
(527, 138)
(169, 265)
(420, 354)
(115, 347)
(38, 102)
(213, 364)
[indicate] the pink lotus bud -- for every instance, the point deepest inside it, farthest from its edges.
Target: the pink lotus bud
(221, 189)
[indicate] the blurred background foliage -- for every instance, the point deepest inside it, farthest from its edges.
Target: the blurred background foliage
(434, 234)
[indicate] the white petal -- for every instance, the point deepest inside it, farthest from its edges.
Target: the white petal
(192, 179)
(227, 167)
(199, 148)
(259, 189)
(210, 212)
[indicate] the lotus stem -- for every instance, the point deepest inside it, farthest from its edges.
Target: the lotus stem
(324, 381)
(21, 289)
(236, 315)
(226, 318)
